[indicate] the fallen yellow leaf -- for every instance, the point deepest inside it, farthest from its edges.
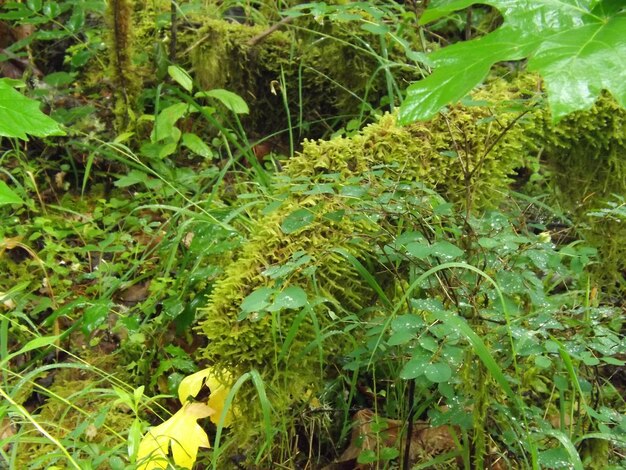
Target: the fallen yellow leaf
(191, 385)
(184, 433)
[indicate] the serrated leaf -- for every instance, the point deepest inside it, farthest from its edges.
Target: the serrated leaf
(231, 100)
(579, 53)
(21, 116)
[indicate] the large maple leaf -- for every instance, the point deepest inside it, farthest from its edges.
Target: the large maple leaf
(182, 431)
(578, 46)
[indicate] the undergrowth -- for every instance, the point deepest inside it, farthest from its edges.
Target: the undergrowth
(190, 269)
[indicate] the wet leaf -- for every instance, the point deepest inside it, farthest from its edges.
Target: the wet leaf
(256, 301)
(297, 220)
(578, 52)
(438, 372)
(292, 297)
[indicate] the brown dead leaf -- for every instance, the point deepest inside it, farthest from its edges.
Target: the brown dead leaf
(7, 430)
(135, 293)
(426, 441)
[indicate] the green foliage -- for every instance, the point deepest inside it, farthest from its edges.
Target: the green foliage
(585, 157)
(372, 272)
(302, 86)
(578, 48)
(276, 302)
(21, 116)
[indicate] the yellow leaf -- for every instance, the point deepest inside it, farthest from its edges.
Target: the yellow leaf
(216, 401)
(184, 433)
(191, 385)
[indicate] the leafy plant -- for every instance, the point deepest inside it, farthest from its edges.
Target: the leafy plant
(578, 47)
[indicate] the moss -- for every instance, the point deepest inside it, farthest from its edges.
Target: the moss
(489, 146)
(127, 85)
(81, 416)
(325, 76)
(587, 156)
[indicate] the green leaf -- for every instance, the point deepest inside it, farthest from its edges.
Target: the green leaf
(367, 456)
(7, 196)
(416, 366)
(446, 251)
(438, 372)
(292, 297)
(379, 29)
(389, 453)
(59, 79)
(165, 123)
(256, 301)
(132, 177)
(543, 362)
(231, 100)
(578, 64)
(180, 76)
(579, 53)
(296, 220)
(95, 315)
(20, 116)
(197, 145)
(419, 250)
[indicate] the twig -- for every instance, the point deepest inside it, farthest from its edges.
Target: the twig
(259, 37)
(173, 31)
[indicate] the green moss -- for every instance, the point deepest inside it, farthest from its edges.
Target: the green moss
(325, 74)
(587, 155)
(488, 145)
(86, 421)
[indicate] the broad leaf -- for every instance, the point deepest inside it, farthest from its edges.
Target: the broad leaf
(292, 297)
(197, 145)
(231, 100)
(191, 385)
(578, 49)
(8, 196)
(298, 219)
(180, 76)
(184, 433)
(20, 116)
